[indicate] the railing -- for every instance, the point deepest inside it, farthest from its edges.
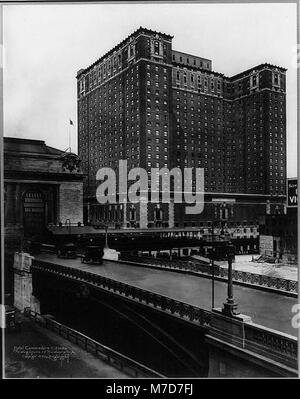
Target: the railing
(268, 342)
(114, 358)
(73, 224)
(258, 338)
(277, 283)
(180, 264)
(251, 279)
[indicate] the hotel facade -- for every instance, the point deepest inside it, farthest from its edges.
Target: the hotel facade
(156, 107)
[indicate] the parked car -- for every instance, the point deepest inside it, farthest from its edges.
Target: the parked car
(93, 254)
(67, 250)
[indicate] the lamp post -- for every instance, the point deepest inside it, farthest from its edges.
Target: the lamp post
(221, 223)
(230, 307)
(213, 254)
(106, 238)
(212, 268)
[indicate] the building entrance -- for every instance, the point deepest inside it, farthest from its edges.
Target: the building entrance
(34, 213)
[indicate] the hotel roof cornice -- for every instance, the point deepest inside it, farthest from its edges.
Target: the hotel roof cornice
(135, 33)
(257, 67)
(230, 78)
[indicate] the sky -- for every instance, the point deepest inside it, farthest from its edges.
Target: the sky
(45, 46)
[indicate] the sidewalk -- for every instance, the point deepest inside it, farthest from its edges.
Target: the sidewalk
(36, 352)
(281, 270)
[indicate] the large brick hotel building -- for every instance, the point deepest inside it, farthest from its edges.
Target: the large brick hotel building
(154, 106)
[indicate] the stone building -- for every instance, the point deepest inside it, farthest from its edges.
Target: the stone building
(42, 186)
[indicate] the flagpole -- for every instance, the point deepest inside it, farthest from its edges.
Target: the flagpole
(69, 136)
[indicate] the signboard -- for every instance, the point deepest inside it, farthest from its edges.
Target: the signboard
(266, 245)
(292, 193)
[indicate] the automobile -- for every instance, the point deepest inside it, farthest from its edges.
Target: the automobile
(12, 321)
(67, 250)
(32, 246)
(93, 254)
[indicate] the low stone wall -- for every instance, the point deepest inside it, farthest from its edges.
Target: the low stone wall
(23, 297)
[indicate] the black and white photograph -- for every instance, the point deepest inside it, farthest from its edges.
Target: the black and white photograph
(149, 208)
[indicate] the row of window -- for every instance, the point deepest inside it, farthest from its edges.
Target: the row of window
(189, 60)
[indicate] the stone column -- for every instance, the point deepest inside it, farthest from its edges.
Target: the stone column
(88, 212)
(18, 204)
(10, 205)
(124, 208)
(143, 214)
(171, 214)
(46, 213)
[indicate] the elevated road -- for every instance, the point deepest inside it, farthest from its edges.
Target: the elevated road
(268, 309)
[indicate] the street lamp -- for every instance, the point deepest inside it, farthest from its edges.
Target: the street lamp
(212, 257)
(105, 226)
(221, 222)
(212, 268)
(106, 233)
(230, 307)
